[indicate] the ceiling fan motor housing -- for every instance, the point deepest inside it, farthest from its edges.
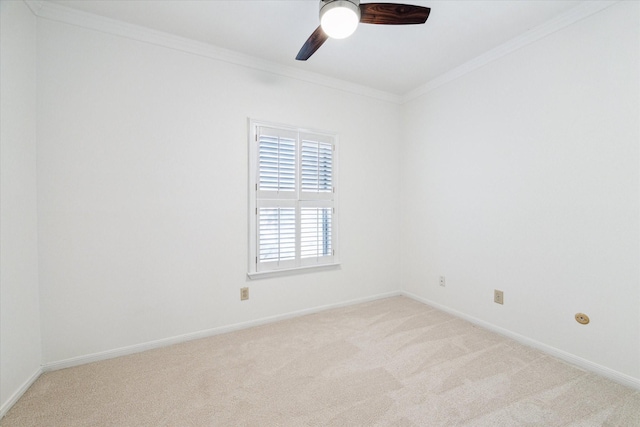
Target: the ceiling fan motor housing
(339, 18)
(326, 2)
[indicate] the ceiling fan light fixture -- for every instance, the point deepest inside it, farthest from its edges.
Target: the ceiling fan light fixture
(339, 18)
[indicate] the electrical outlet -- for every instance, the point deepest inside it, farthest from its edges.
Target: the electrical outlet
(442, 282)
(498, 296)
(244, 294)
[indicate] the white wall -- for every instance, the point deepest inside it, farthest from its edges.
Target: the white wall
(524, 176)
(20, 354)
(142, 184)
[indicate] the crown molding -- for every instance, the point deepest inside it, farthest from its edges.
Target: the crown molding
(58, 13)
(34, 5)
(572, 16)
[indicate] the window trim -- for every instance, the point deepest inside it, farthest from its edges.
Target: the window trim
(254, 202)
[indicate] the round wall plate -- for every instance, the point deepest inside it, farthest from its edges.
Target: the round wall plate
(582, 318)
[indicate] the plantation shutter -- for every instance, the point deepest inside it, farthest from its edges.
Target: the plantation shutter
(316, 199)
(315, 232)
(277, 163)
(316, 167)
(277, 235)
(293, 210)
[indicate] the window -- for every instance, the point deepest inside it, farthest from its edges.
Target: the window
(292, 199)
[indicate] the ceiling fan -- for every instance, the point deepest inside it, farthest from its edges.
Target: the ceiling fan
(339, 19)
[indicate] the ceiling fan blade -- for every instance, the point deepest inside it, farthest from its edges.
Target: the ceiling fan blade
(315, 40)
(393, 14)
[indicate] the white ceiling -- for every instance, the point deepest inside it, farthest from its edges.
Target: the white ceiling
(394, 59)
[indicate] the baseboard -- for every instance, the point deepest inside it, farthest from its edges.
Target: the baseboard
(137, 348)
(587, 365)
(18, 394)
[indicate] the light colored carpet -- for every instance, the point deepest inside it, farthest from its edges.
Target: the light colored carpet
(391, 362)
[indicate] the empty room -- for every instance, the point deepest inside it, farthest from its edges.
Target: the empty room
(242, 213)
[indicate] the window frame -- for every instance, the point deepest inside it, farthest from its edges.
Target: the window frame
(300, 200)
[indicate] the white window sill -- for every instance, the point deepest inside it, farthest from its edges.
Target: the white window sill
(292, 271)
